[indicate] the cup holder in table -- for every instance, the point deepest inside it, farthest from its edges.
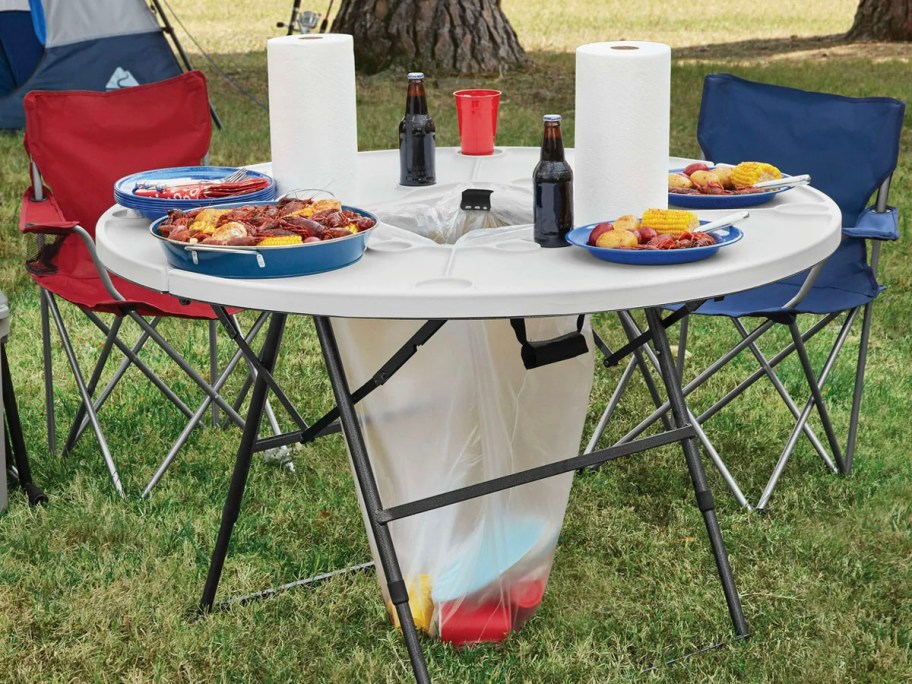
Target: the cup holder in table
(496, 153)
(444, 283)
(800, 209)
(124, 213)
(394, 245)
(517, 246)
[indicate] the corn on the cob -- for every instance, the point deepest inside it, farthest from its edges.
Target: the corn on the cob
(746, 174)
(672, 221)
(280, 240)
(420, 603)
(205, 220)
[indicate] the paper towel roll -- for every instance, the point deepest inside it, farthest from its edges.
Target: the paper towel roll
(623, 96)
(313, 126)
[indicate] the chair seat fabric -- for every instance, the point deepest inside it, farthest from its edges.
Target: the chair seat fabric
(845, 282)
(89, 293)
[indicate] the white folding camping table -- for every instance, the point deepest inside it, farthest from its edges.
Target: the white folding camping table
(404, 277)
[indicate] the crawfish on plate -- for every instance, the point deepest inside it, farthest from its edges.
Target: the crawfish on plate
(287, 222)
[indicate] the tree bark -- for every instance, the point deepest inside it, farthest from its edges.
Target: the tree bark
(889, 20)
(436, 36)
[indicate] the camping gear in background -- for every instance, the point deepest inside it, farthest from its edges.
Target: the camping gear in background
(12, 442)
(552, 188)
(78, 45)
(417, 145)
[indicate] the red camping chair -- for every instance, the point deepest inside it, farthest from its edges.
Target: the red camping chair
(80, 143)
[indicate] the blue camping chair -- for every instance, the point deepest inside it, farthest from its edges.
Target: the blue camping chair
(850, 147)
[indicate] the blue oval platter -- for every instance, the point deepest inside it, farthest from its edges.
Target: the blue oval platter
(155, 207)
(279, 261)
(722, 201)
(654, 257)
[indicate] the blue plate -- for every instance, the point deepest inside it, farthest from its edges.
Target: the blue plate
(722, 201)
(280, 261)
(654, 257)
(154, 208)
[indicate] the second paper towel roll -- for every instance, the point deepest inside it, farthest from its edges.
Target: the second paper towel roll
(313, 126)
(623, 99)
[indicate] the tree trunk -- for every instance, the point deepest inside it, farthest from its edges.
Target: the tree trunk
(437, 36)
(882, 20)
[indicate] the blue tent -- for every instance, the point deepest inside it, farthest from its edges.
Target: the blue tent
(77, 45)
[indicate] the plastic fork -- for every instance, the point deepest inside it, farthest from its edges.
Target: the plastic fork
(791, 181)
(723, 222)
(234, 176)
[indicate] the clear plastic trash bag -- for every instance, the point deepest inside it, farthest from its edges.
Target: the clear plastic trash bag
(464, 410)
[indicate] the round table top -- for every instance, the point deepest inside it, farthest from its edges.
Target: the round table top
(503, 274)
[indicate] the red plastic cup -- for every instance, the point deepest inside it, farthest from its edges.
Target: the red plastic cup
(465, 623)
(476, 112)
(525, 598)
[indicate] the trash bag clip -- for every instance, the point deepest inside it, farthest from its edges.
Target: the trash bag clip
(477, 199)
(544, 352)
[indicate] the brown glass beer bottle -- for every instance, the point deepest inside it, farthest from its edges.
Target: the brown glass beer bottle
(553, 188)
(416, 137)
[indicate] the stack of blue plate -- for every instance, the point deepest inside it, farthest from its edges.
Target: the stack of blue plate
(154, 207)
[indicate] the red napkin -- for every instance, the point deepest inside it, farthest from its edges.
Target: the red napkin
(205, 190)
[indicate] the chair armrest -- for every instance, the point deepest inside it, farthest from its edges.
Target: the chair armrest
(875, 225)
(49, 227)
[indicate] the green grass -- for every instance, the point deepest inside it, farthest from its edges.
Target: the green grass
(96, 589)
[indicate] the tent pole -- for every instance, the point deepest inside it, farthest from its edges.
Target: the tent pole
(168, 28)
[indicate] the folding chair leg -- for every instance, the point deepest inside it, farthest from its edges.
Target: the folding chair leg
(87, 400)
(859, 387)
(612, 405)
(717, 461)
(745, 384)
(93, 384)
(200, 411)
(698, 477)
(707, 373)
(818, 396)
(786, 397)
(125, 363)
(805, 413)
(213, 365)
(140, 364)
(238, 484)
(187, 368)
(48, 373)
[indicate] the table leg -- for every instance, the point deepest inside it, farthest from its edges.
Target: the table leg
(697, 475)
(232, 506)
(368, 485)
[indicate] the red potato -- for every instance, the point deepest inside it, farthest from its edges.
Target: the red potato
(598, 230)
(696, 166)
(645, 234)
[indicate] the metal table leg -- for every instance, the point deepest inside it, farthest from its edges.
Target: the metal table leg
(242, 463)
(697, 475)
(368, 485)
